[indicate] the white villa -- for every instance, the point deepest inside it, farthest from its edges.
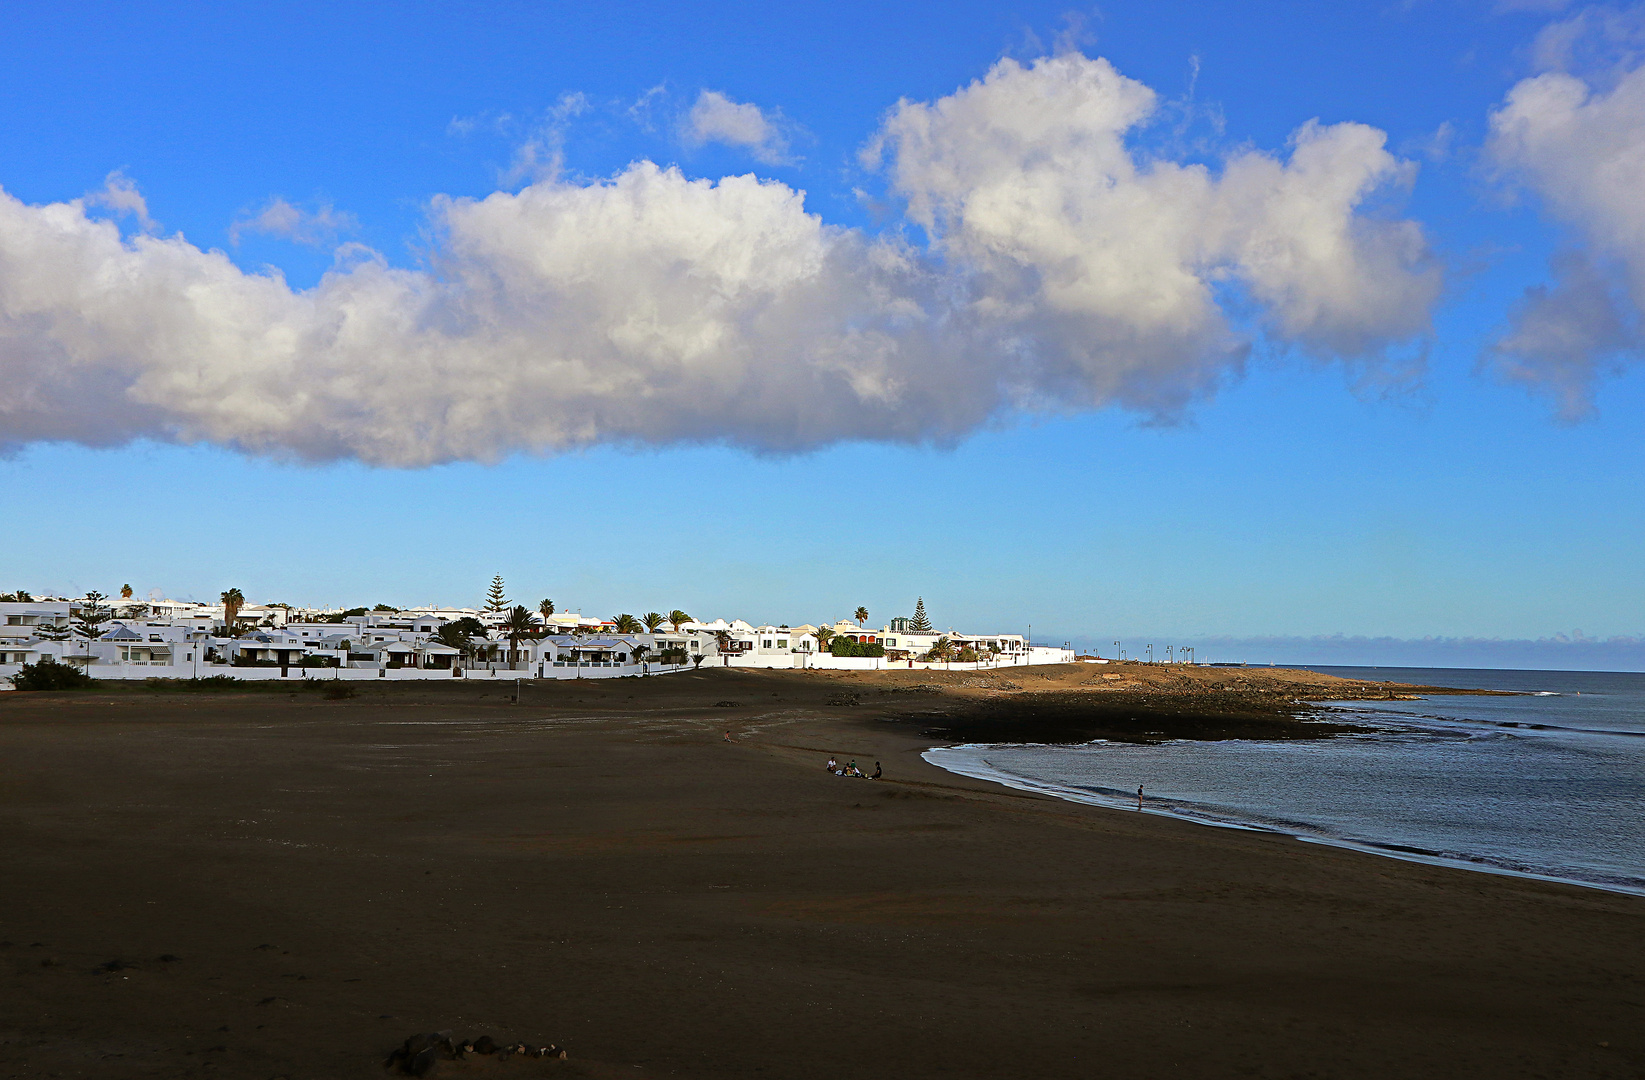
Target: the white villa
(178, 639)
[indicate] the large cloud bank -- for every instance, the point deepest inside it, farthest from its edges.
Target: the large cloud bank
(1064, 270)
(1581, 148)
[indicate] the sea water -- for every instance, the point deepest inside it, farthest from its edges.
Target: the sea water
(1548, 782)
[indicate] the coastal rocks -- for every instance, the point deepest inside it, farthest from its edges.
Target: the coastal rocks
(420, 1054)
(844, 699)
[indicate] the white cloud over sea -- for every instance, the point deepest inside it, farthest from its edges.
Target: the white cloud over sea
(1577, 141)
(1062, 269)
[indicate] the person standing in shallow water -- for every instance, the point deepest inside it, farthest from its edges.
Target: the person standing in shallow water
(1139, 796)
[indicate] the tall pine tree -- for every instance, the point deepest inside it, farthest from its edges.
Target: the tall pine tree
(494, 596)
(919, 624)
(90, 616)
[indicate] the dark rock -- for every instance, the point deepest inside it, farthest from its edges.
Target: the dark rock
(485, 1044)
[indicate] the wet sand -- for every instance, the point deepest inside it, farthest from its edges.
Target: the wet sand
(596, 867)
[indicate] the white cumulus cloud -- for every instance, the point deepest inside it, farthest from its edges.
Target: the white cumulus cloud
(280, 218)
(716, 118)
(1112, 263)
(1581, 150)
(1064, 271)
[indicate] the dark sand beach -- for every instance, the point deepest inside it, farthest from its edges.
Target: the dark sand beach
(269, 884)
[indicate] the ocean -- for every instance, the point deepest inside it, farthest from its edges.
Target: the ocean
(1547, 783)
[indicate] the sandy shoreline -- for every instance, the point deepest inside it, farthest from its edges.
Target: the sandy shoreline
(603, 871)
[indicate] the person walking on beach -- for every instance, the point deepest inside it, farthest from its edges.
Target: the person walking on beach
(1139, 796)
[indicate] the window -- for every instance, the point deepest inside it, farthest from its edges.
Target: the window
(782, 644)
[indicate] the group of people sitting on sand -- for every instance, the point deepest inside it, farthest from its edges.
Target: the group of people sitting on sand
(850, 769)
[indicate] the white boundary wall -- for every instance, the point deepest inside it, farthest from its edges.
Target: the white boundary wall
(139, 672)
(1040, 654)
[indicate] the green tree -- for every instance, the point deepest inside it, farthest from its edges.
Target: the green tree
(18, 597)
(823, 634)
(47, 674)
(919, 624)
(627, 624)
(90, 616)
(233, 600)
(495, 596)
(546, 610)
(471, 626)
(861, 616)
(637, 653)
(454, 636)
(941, 649)
(516, 628)
(722, 640)
(677, 619)
(51, 631)
(653, 620)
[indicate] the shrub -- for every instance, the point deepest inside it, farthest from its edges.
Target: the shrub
(206, 683)
(845, 647)
(47, 674)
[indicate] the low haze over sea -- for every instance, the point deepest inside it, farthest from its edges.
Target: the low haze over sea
(1548, 782)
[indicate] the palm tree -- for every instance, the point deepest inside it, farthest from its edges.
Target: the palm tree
(626, 624)
(823, 634)
(125, 592)
(637, 653)
(861, 616)
(518, 626)
(233, 600)
(940, 649)
(722, 640)
(678, 618)
(546, 610)
(453, 636)
(653, 620)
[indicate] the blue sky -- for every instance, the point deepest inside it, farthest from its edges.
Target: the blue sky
(1394, 440)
